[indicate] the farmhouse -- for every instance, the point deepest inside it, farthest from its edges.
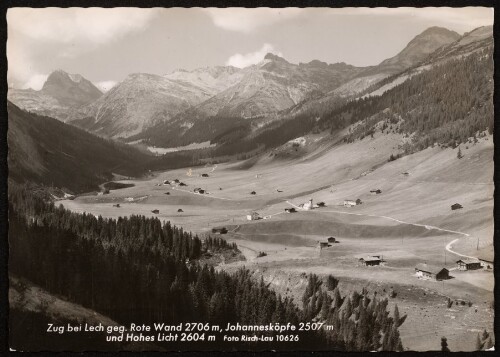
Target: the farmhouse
(349, 203)
(155, 211)
(222, 230)
(290, 210)
(253, 216)
(308, 205)
(253, 193)
(425, 271)
(468, 264)
(370, 261)
(486, 259)
(456, 206)
(331, 240)
(117, 205)
(180, 210)
(167, 193)
(375, 192)
(321, 204)
(204, 175)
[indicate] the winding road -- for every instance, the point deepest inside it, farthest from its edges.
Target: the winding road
(448, 246)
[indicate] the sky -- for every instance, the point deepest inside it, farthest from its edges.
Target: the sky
(106, 45)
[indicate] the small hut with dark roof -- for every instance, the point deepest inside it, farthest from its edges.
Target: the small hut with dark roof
(425, 271)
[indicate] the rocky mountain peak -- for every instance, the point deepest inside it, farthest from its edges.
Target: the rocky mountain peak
(273, 57)
(70, 89)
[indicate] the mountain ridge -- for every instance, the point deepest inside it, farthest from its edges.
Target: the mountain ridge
(61, 94)
(143, 103)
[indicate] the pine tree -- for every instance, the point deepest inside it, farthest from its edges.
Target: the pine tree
(444, 345)
(459, 153)
(396, 316)
(337, 298)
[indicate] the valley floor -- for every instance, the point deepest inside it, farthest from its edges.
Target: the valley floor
(409, 222)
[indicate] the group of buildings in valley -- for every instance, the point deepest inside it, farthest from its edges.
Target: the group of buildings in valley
(435, 272)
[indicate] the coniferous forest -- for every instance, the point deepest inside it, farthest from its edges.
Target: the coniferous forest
(447, 105)
(142, 271)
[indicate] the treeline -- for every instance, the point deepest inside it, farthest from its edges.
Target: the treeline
(136, 270)
(149, 235)
(136, 281)
(446, 104)
(358, 322)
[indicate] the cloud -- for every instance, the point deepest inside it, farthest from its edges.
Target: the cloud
(69, 25)
(36, 81)
(64, 33)
(247, 20)
(248, 59)
(105, 86)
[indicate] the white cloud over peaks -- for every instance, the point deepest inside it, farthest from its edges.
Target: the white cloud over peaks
(87, 25)
(247, 20)
(248, 59)
(36, 81)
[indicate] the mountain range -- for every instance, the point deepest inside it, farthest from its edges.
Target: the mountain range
(179, 107)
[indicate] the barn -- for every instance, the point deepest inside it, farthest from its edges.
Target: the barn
(370, 261)
(222, 230)
(253, 216)
(456, 206)
(349, 203)
(425, 271)
(204, 175)
(468, 264)
(486, 259)
(331, 240)
(308, 205)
